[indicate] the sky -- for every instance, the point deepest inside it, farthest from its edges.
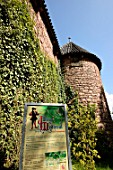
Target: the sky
(89, 23)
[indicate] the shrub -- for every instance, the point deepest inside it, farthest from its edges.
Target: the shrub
(82, 128)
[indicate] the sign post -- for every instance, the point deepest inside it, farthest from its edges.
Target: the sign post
(45, 140)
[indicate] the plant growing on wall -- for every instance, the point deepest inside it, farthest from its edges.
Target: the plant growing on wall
(26, 76)
(82, 128)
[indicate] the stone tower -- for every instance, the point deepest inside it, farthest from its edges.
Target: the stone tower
(81, 71)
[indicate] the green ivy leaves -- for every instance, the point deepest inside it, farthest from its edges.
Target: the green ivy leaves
(26, 76)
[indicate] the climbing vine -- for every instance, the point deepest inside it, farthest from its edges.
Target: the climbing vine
(26, 76)
(82, 130)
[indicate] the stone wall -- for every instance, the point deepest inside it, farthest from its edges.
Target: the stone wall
(84, 77)
(41, 32)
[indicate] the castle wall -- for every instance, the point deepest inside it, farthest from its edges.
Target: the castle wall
(41, 32)
(84, 76)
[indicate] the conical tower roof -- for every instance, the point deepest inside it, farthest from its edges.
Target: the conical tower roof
(73, 49)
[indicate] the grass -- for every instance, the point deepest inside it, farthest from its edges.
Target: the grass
(77, 166)
(100, 167)
(103, 168)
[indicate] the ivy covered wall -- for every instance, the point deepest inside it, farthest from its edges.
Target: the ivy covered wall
(27, 75)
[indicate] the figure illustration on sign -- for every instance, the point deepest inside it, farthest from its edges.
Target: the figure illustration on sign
(33, 115)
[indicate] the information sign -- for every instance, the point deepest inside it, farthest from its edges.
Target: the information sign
(45, 142)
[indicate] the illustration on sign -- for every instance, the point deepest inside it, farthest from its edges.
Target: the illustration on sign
(44, 138)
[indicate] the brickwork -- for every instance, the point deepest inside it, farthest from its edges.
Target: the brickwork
(43, 36)
(84, 77)
(41, 32)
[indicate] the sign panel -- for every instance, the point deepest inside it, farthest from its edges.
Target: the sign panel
(45, 142)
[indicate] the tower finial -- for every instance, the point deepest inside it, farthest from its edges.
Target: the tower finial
(69, 38)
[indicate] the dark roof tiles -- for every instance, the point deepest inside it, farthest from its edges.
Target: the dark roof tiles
(71, 48)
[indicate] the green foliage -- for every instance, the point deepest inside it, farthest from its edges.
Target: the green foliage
(78, 166)
(26, 76)
(56, 155)
(57, 115)
(82, 131)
